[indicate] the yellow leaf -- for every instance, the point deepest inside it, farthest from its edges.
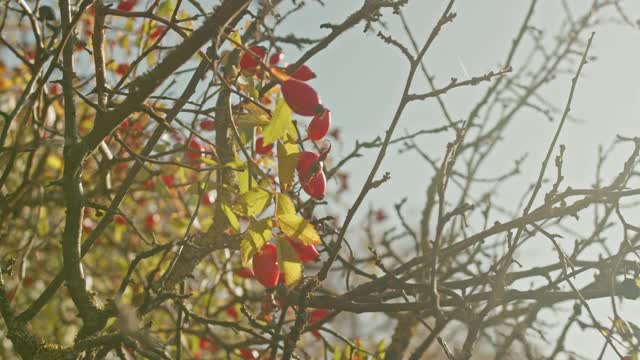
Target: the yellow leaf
(258, 234)
(124, 42)
(248, 120)
(254, 116)
(43, 222)
(235, 39)
(209, 161)
(285, 205)
(255, 201)
(243, 181)
(255, 109)
(179, 223)
(151, 58)
(128, 26)
(292, 135)
(287, 161)
(237, 164)
(231, 217)
(279, 124)
(166, 8)
(296, 227)
(118, 231)
(289, 263)
(54, 162)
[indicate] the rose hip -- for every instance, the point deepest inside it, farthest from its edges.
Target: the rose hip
(301, 97)
(265, 266)
(319, 126)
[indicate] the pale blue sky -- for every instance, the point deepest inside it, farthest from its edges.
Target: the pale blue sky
(360, 78)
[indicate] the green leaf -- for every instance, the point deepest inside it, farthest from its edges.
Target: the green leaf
(231, 217)
(258, 234)
(279, 123)
(289, 263)
(287, 162)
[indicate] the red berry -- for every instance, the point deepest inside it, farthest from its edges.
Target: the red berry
(157, 32)
(248, 354)
(54, 89)
(315, 316)
(301, 97)
(316, 187)
(208, 198)
(319, 125)
(150, 184)
(381, 215)
(306, 253)
(276, 58)
(265, 266)
(122, 69)
(306, 160)
(120, 220)
(168, 180)
(248, 62)
(303, 73)
(195, 151)
(245, 273)
(208, 125)
(231, 311)
(26, 282)
(204, 343)
(311, 175)
(127, 5)
(151, 221)
(261, 148)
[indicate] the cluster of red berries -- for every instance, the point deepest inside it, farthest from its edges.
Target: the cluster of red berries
(265, 263)
(303, 100)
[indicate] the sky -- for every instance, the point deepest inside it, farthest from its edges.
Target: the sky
(360, 79)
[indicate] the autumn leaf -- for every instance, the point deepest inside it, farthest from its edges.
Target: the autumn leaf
(294, 225)
(231, 217)
(258, 234)
(255, 201)
(235, 39)
(290, 265)
(279, 123)
(285, 205)
(287, 161)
